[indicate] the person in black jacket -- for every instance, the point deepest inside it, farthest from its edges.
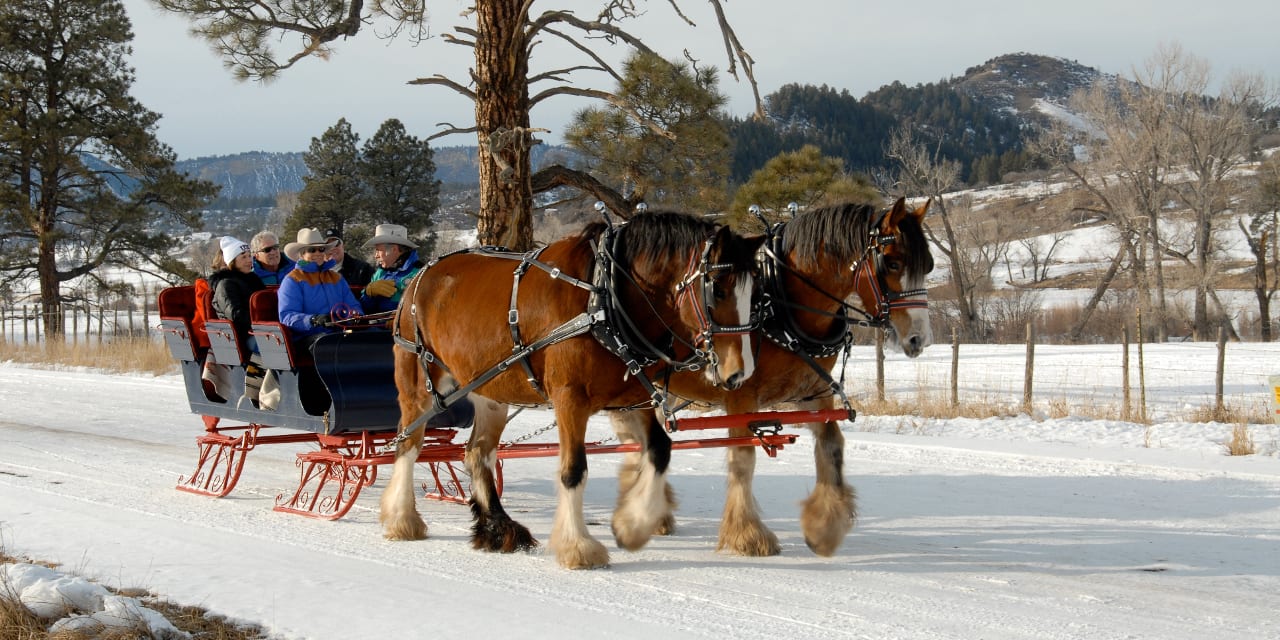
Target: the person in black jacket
(355, 271)
(232, 282)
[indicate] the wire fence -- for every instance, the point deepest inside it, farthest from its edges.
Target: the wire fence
(82, 323)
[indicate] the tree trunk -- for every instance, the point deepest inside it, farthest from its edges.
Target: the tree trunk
(1105, 283)
(50, 294)
(1201, 312)
(1259, 248)
(1157, 265)
(502, 120)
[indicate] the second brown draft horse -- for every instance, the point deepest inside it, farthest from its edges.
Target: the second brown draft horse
(655, 292)
(815, 261)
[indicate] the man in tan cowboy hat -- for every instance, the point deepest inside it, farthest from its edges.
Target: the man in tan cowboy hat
(313, 295)
(397, 259)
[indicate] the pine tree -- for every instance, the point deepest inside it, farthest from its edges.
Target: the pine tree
(805, 177)
(664, 143)
(84, 183)
(332, 194)
(398, 174)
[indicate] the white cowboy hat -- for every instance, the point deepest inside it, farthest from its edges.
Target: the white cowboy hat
(306, 238)
(391, 234)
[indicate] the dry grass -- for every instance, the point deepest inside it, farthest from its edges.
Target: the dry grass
(1230, 414)
(143, 355)
(18, 623)
(1241, 442)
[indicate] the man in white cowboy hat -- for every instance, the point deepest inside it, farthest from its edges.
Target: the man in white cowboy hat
(313, 295)
(397, 259)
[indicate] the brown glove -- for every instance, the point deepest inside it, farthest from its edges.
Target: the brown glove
(381, 288)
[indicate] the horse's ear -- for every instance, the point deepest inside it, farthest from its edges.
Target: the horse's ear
(895, 216)
(754, 242)
(923, 209)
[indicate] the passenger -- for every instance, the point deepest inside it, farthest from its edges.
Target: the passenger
(355, 271)
(398, 262)
(313, 295)
(267, 261)
(232, 282)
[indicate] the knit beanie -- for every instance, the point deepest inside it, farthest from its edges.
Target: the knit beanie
(232, 247)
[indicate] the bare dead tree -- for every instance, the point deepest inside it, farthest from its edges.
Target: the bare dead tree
(502, 83)
(920, 172)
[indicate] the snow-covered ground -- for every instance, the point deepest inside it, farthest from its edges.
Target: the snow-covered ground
(1013, 528)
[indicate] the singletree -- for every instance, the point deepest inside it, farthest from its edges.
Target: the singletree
(84, 183)
(502, 82)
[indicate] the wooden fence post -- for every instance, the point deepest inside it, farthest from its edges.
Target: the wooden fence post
(1222, 361)
(1031, 367)
(146, 312)
(880, 366)
(955, 367)
(1142, 374)
(26, 338)
(101, 319)
(1125, 412)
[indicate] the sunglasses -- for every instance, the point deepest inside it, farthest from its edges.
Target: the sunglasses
(315, 249)
(269, 249)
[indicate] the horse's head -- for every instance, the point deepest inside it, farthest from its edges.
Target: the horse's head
(698, 279)
(890, 278)
(715, 296)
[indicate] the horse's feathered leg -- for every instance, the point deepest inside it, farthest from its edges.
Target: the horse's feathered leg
(645, 500)
(828, 514)
(741, 529)
(398, 512)
(492, 528)
(573, 544)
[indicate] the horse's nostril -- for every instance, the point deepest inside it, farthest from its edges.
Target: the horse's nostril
(734, 381)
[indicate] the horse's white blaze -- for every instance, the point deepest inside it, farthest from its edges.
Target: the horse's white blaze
(743, 292)
(920, 328)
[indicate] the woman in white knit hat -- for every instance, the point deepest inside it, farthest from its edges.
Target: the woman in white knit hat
(232, 282)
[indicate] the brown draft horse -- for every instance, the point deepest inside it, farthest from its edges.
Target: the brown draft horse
(826, 255)
(679, 280)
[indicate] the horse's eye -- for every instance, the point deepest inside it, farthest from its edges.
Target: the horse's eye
(893, 265)
(720, 292)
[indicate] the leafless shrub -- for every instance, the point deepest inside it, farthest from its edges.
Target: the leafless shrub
(1241, 441)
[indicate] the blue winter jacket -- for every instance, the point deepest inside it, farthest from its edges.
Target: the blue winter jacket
(273, 277)
(312, 289)
(409, 267)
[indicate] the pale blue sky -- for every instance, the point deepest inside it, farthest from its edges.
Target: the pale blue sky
(847, 44)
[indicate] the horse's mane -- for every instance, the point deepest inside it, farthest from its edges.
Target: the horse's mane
(841, 231)
(651, 239)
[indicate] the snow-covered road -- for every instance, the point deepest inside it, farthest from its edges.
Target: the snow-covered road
(961, 535)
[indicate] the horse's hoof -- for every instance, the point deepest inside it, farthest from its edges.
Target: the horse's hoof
(753, 543)
(828, 516)
(413, 529)
(589, 554)
(502, 535)
(667, 526)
